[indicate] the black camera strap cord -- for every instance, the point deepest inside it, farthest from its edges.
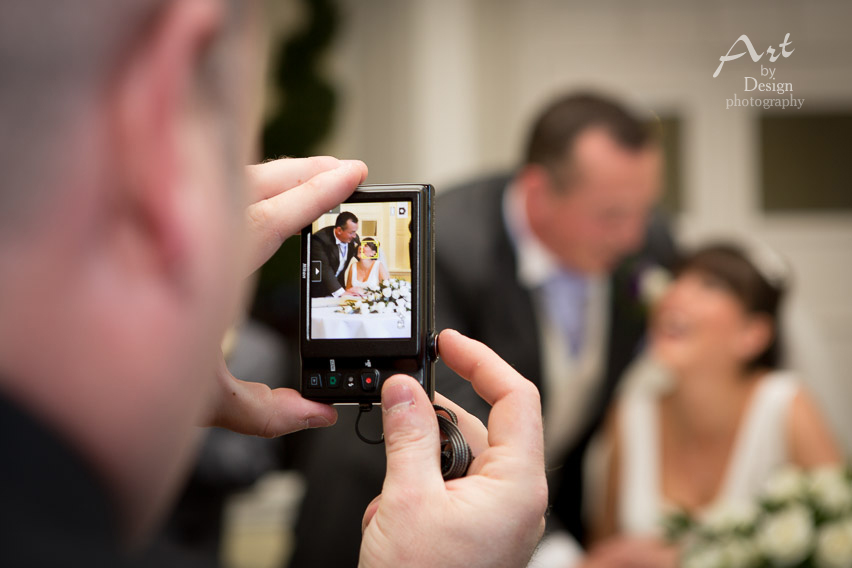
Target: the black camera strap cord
(455, 452)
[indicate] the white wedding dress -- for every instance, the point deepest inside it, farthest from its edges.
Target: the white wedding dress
(759, 449)
(372, 275)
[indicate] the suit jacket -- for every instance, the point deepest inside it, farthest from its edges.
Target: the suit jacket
(478, 294)
(324, 249)
(55, 511)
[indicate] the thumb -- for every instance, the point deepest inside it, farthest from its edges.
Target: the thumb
(412, 440)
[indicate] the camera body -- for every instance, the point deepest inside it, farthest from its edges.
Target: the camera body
(367, 295)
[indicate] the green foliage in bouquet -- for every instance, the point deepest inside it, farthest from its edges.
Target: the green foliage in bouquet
(801, 520)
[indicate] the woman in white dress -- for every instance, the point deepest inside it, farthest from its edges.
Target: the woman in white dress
(726, 421)
(367, 270)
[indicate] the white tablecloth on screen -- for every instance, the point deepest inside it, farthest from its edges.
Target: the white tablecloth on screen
(326, 323)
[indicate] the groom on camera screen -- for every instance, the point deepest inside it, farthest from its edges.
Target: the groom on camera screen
(331, 250)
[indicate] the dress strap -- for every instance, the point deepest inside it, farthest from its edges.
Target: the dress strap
(639, 483)
(761, 445)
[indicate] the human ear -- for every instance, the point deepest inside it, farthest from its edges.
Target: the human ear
(755, 336)
(151, 100)
(536, 186)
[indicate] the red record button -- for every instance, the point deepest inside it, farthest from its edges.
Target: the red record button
(369, 380)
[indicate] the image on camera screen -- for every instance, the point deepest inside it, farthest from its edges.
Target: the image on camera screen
(360, 272)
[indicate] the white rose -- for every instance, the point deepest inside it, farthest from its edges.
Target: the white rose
(347, 310)
(364, 309)
(787, 537)
(385, 283)
(830, 490)
(386, 292)
(653, 283)
(708, 555)
(359, 304)
(729, 517)
(395, 293)
(395, 284)
(740, 553)
(785, 485)
(834, 545)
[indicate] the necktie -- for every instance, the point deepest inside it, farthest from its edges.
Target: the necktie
(342, 247)
(565, 294)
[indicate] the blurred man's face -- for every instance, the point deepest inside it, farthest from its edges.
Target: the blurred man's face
(601, 216)
(347, 233)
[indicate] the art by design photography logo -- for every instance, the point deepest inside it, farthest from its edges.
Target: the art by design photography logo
(768, 82)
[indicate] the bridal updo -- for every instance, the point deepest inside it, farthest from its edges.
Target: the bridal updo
(757, 278)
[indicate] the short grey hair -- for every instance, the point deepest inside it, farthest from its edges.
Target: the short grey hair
(56, 56)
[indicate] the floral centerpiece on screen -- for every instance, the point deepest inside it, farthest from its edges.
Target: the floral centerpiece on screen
(802, 520)
(392, 296)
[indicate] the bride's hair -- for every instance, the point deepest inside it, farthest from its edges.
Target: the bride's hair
(758, 291)
(373, 244)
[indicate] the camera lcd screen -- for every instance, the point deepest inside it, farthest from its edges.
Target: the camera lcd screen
(360, 272)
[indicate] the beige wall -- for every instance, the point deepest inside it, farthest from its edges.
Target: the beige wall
(439, 90)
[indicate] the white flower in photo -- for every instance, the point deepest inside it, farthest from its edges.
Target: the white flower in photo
(710, 555)
(385, 283)
(386, 292)
(740, 553)
(834, 545)
(347, 309)
(785, 485)
(395, 294)
(730, 516)
(830, 490)
(787, 537)
(359, 304)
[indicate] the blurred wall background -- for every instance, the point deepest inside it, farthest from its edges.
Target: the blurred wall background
(442, 90)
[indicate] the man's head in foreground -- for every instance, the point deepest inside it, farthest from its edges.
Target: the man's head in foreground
(121, 257)
(591, 176)
(120, 223)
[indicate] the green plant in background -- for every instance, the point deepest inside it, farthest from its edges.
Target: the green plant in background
(301, 121)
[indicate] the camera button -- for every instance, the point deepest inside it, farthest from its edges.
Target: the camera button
(332, 380)
(315, 382)
(369, 380)
(316, 271)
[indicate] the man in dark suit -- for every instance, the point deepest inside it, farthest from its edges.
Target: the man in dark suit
(546, 268)
(543, 267)
(332, 248)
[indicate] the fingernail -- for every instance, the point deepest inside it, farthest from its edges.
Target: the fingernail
(318, 422)
(397, 396)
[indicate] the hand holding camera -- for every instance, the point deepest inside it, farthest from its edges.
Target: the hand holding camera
(494, 515)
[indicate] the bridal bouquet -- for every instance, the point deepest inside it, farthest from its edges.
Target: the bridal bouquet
(389, 297)
(802, 520)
